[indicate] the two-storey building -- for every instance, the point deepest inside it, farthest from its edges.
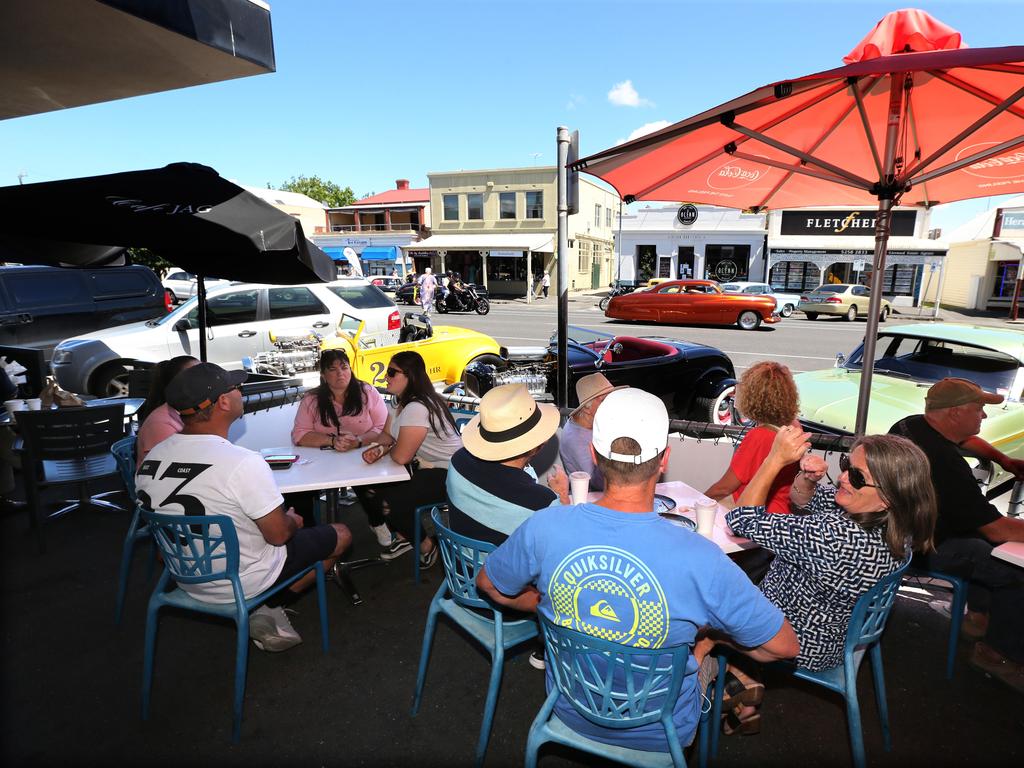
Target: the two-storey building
(498, 227)
(378, 227)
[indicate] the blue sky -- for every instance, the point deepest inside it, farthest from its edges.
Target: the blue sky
(366, 93)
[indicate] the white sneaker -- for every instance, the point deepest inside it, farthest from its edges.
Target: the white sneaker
(271, 630)
(383, 534)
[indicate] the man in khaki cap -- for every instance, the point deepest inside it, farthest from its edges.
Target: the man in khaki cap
(574, 446)
(968, 525)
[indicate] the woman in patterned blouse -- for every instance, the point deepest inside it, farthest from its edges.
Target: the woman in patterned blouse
(850, 537)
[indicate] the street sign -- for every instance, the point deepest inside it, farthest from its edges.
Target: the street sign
(858, 265)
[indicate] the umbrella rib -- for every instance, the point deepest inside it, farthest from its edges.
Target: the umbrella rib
(998, 109)
(770, 124)
(912, 121)
(963, 162)
(801, 170)
(859, 98)
(825, 134)
(853, 178)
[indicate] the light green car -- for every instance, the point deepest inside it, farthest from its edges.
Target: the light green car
(908, 360)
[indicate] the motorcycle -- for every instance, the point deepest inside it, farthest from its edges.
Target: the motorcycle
(468, 301)
(618, 289)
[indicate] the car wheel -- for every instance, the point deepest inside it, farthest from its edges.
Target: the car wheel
(811, 315)
(851, 313)
(720, 409)
(494, 360)
(110, 381)
(603, 303)
(483, 307)
(787, 310)
(749, 320)
(884, 316)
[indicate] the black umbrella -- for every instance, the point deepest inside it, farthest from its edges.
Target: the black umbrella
(185, 212)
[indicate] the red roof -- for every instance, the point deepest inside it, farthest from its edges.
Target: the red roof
(395, 197)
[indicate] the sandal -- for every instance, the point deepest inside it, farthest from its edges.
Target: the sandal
(736, 693)
(733, 723)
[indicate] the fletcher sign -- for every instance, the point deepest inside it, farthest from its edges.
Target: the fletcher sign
(858, 223)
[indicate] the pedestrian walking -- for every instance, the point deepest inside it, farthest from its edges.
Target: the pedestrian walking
(545, 283)
(428, 285)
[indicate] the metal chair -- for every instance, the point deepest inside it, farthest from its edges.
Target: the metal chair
(124, 455)
(863, 637)
(68, 446)
(198, 549)
(457, 599)
(616, 687)
(956, 608)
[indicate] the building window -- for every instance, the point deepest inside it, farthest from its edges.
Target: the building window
(597, 214)
(584, 256)
(506, 269)
(726, 262)
(475, 206)
(794, 276)
(451, 207)
(1006, 279)
(535, 205)
(608, 217)
(898, 279)
(507, 205)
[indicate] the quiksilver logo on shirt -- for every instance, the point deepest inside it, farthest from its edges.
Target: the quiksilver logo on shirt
(609, 593)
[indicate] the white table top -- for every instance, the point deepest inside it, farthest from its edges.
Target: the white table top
(685, 497)
(1011, 552)
(316, 470)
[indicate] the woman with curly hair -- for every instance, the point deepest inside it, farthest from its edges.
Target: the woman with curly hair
(767, 395)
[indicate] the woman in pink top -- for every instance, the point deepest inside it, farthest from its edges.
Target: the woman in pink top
(342, 413)
(160, 421)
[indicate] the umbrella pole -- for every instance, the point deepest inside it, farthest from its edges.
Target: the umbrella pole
(201, 298)
(562, 390)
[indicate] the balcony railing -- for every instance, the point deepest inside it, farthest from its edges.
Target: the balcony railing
(395, 227)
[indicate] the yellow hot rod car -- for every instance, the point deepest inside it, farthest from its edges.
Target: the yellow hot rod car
(446, 350)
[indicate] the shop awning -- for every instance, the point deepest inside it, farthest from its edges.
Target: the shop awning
(68, 53)
(379, 253)
(483, 241)
(853, 245)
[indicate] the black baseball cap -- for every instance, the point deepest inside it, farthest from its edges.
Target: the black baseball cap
(198, 387)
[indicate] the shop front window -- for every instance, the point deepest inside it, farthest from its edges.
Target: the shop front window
(794, 276)
(1006, 278)
(507, 269)
(899, 279)
(726, 263)
(646, 262)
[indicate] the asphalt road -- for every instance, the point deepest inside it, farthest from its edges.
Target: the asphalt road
(801, 344)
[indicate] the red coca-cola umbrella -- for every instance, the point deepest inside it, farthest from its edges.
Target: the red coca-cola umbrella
(915, 117)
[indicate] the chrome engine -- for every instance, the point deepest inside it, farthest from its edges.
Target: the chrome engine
(291, 355)
(480, 378)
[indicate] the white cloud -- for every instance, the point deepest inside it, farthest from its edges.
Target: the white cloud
(643, 130)
(575, 100)
(625, 95)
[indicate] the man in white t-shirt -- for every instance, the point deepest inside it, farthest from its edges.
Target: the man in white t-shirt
(198, 472)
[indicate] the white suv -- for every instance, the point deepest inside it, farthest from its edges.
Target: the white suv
(182, 285)
(240, 318)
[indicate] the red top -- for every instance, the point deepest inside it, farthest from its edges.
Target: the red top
(747, 460)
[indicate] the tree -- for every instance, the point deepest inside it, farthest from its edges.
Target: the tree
(326, 192)
(149, 259)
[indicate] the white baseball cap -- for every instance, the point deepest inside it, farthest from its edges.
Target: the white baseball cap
(631, 413)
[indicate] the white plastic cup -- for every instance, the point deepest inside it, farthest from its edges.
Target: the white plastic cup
(34, 404)
(14, 405)
(579, 487)
(706, 510)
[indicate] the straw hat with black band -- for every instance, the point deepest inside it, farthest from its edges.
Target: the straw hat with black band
(510, 423)
(591, 387)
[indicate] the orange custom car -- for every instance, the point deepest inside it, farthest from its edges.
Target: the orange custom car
(698, 302)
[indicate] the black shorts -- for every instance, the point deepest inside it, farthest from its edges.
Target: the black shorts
(307, 547)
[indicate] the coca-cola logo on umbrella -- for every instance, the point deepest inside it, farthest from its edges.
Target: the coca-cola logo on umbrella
(733, 175)
(1005, 165)
(141, 206)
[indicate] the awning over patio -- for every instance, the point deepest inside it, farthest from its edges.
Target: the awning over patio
(485, 241)
(68, 53)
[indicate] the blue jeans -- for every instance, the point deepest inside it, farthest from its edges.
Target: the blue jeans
(996, 587)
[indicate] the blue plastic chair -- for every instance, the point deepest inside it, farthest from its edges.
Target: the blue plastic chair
(863, 637)
(198, 549)
(456, 597)
(956, 609)
(124, 455)
(616, 687)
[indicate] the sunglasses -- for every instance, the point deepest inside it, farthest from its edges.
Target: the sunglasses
(392, 372)
(855, 476)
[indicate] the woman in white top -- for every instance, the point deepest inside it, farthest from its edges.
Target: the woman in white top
(421, 432)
